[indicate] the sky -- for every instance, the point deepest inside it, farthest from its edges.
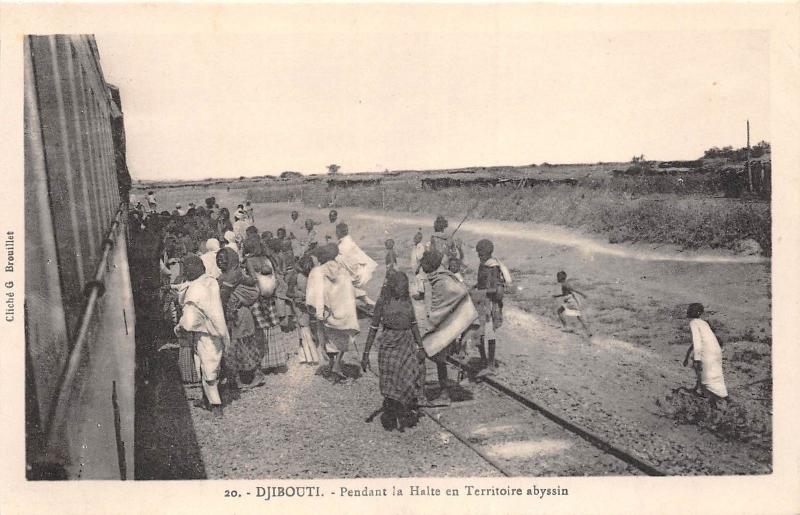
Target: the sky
(206, 105)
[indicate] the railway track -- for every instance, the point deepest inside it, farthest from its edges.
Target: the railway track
(518, 436)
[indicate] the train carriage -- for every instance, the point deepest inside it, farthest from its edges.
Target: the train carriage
(79, 316)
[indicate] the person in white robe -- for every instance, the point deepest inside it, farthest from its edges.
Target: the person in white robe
(330, 300)
(209, 258)
(203, 320)
(706, 357)
(357, 263)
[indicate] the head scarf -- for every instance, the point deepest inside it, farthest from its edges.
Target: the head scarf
(212, 245)
(193, 267)
(485, 247)
(230, 237)
(325, 253)
(431, 260)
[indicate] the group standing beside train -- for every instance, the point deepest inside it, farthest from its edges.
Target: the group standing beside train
(242, 301)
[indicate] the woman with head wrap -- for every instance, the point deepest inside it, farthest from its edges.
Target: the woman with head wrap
(401, 355)
(281, 310)
(230, 242)
(237, 294)
(260, 268)
(202, 328)
(209, 258)
(332, 306)
(449, 312)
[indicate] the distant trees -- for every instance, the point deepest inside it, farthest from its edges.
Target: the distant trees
(333, 169)
(761, 148)
(728, 152)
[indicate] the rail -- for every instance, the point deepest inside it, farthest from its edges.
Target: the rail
(592, 438)
(93, 290)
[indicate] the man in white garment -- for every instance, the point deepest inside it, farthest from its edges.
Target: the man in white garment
(357, 263)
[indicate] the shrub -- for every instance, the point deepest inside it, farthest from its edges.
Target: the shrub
(606, 206)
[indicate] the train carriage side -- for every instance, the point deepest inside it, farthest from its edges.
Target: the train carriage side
(79, 316)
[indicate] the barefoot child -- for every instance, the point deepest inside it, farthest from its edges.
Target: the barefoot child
(707, 359)
(570, 303)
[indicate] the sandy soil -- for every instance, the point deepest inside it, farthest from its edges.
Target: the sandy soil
(299, 425)
(637, 299)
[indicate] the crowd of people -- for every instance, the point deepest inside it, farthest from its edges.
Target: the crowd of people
(242, 300)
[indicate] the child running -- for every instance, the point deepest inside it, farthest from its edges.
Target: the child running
(570, 303)
(707, 358)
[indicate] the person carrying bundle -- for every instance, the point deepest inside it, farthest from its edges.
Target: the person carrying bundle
(449, 312)
(260, 268)
(237, 294)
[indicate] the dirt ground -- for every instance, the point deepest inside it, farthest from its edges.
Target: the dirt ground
(613, 382)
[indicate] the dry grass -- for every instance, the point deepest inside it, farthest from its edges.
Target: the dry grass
(626, 209)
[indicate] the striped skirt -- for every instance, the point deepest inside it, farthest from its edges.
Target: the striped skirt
(190, 372)
(401, 373)
(278, 346)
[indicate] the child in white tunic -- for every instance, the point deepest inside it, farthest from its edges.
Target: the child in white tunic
(707, 357)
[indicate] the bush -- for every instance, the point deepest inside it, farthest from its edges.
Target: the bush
(605, 206)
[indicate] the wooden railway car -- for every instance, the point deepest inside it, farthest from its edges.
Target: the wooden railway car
(79, 317)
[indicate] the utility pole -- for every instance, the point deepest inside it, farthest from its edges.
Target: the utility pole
(749, 171)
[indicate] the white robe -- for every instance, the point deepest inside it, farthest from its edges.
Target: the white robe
(210, 261)
(416, 256)
(357, 263)
(204, 318)
(330, 292)
(706, 349)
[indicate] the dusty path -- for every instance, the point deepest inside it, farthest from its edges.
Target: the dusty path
(299, 425)
(637, 297)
